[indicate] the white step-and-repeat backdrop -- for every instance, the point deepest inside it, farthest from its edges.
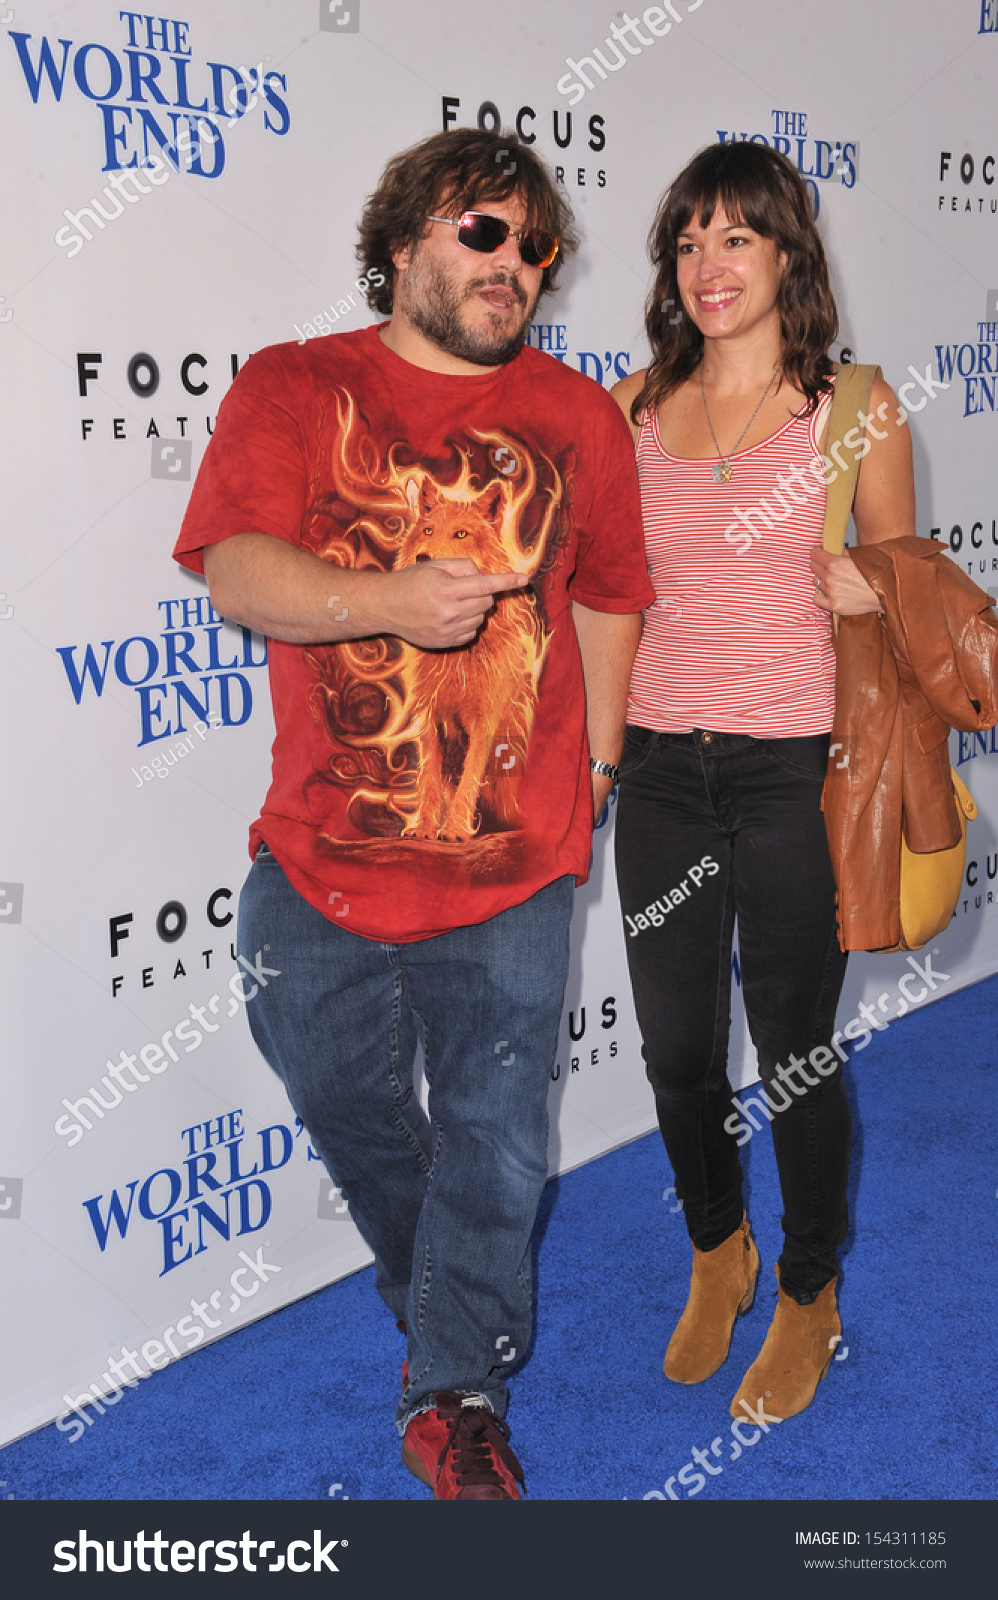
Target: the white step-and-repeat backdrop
(136, 723)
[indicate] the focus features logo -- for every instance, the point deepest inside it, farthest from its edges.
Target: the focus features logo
(973, 542)
(974, 172)
(978, 875)
(577, 1032)
(171, 923)
(171, 457)
(564, 131)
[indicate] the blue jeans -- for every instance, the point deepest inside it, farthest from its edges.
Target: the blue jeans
(446, 1202)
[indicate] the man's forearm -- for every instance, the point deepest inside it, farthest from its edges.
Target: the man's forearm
(286, 593)
(608, 642)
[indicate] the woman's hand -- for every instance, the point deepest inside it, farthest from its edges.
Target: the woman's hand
(840, 586)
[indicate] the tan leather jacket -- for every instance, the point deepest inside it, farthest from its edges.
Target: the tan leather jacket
(902, 681)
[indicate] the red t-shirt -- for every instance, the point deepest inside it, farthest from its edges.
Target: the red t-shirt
(418, 791)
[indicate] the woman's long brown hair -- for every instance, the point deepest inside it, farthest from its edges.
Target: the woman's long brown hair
(760, 188)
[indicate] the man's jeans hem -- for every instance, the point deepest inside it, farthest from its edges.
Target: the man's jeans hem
(485, 1002)
(404, 1416)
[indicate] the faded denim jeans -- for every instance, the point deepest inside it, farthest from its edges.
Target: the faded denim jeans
(446, 1202)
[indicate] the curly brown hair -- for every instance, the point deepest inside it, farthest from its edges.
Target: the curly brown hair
(462, 168)
(761, 189)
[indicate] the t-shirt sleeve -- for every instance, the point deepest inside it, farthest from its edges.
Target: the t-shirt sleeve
(611, 570)
(254, 475)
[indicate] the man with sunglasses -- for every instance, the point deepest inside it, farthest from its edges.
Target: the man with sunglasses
(437, 527)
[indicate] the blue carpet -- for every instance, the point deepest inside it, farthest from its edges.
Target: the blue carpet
(292, 1405)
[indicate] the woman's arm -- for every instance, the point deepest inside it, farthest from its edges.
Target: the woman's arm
(884, 507)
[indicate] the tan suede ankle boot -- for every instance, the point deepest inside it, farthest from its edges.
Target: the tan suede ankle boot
(795, 1356)
(722, 1285)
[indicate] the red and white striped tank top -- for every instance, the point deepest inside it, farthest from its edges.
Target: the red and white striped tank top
(734, 640)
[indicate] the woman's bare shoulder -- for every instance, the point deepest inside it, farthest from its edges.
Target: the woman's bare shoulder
(626, 391)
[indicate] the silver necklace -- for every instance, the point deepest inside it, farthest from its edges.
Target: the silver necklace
(722, 470)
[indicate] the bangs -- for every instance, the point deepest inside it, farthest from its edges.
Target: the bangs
(742, 209)
(735, 179)
(705, 205)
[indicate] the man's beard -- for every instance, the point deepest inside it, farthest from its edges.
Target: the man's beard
(433, 305)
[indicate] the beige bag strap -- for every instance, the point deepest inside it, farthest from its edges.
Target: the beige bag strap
(850, 396)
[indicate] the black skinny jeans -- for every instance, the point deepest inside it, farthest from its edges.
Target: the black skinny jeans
(710, 826)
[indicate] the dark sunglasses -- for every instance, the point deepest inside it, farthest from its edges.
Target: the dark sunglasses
(476, 230)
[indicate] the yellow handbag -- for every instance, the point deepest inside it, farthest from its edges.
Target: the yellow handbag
(930, 884)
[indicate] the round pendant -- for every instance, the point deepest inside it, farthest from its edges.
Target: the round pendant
(721, 472)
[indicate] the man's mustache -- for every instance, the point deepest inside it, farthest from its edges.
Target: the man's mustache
(498, 281)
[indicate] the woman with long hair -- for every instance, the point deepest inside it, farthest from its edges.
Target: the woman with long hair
(731, 703)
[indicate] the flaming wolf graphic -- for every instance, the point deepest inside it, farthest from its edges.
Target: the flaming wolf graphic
(435, 741)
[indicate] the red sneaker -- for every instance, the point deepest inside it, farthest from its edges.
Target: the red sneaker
(460, 1450)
